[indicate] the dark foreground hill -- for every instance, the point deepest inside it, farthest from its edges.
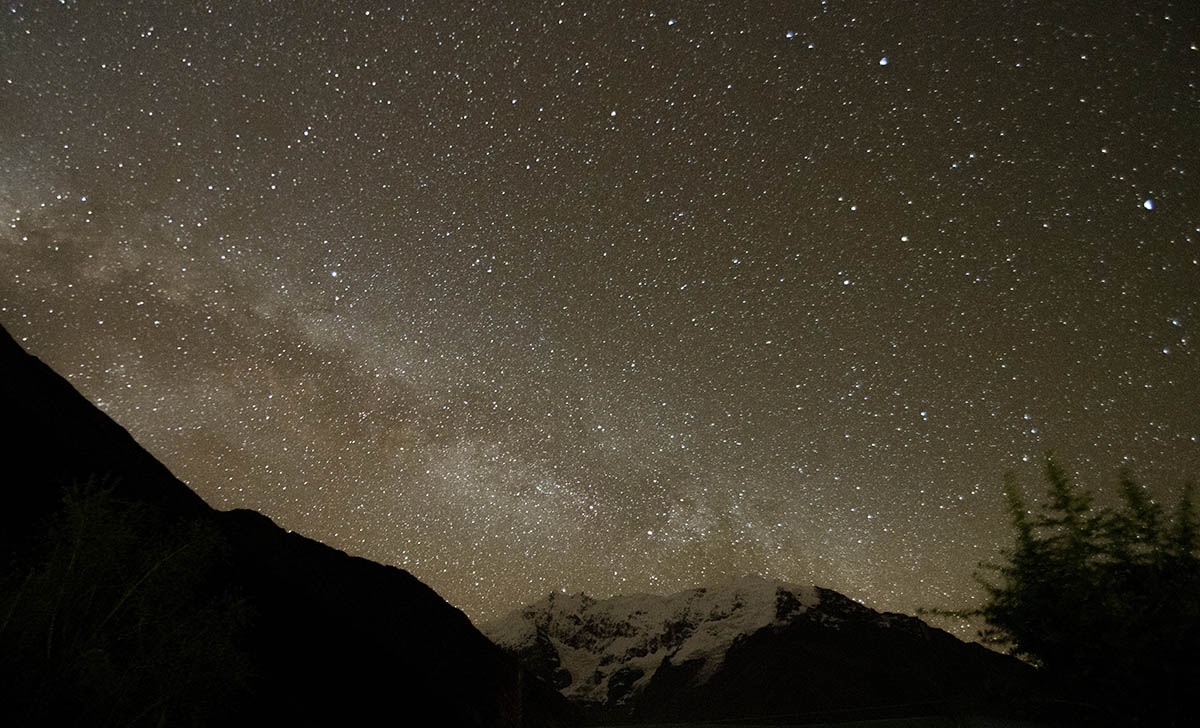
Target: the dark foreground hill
(126, 600)
(758, 650)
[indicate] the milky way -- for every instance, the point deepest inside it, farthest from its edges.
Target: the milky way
(525, 297)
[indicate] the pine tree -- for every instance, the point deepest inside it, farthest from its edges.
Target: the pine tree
(1105, 601)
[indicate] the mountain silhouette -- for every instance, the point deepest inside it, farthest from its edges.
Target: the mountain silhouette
(118, 576)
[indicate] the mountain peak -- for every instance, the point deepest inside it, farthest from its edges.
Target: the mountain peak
(607, 650)
(740, 649)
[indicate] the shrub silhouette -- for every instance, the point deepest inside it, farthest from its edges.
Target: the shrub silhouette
(119, 617)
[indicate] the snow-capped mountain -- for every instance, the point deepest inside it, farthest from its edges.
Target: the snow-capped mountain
(748, 648)
(606, 651)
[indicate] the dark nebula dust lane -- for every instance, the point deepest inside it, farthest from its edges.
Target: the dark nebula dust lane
(617, 297)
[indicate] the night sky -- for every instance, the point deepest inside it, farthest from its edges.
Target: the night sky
(615, 297)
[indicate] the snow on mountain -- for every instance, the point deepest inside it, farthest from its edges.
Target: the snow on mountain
(755, 649)
(605, 652)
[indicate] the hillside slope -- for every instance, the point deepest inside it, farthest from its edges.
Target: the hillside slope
(276, 627)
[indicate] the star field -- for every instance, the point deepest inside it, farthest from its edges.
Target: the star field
(592, 296)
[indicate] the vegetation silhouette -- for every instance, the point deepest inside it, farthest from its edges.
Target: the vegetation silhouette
(118, 616)
(1105, 601)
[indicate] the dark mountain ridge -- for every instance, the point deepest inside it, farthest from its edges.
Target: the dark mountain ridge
(315, 636)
